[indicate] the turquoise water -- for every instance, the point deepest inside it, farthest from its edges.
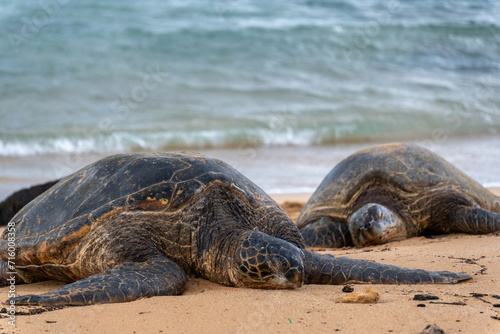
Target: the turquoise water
(106, 76)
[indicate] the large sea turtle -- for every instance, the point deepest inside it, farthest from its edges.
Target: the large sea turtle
(395, 191)
(136, 225)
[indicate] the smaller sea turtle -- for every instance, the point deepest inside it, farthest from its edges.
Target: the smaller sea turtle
(395, 191)
(135, 225)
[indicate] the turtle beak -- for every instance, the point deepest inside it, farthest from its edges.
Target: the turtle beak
(294, 278)
(369, 233)
(378, 232)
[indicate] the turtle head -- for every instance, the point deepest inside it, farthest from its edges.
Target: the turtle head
(375, 224)
(262, 261)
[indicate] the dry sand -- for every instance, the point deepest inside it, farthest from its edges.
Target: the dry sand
(210, 308)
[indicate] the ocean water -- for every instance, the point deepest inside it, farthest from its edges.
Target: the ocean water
(92, 77)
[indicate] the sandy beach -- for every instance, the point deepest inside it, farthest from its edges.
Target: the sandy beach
(205, 307)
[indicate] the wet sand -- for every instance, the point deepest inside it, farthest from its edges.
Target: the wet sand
(206, 307)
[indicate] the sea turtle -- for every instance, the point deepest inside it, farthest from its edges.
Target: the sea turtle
(135, 225)
(395, 191)
(15, 202)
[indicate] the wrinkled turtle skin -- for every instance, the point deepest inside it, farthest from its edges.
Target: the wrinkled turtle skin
(136, 225)
(392, 192)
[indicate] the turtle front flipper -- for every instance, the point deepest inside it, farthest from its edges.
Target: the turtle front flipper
(328, 269)
(474, 221)
(158, 276)
(326, 233)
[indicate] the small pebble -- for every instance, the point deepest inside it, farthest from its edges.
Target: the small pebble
(347, 288)
(425, 297)
(420, 305)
